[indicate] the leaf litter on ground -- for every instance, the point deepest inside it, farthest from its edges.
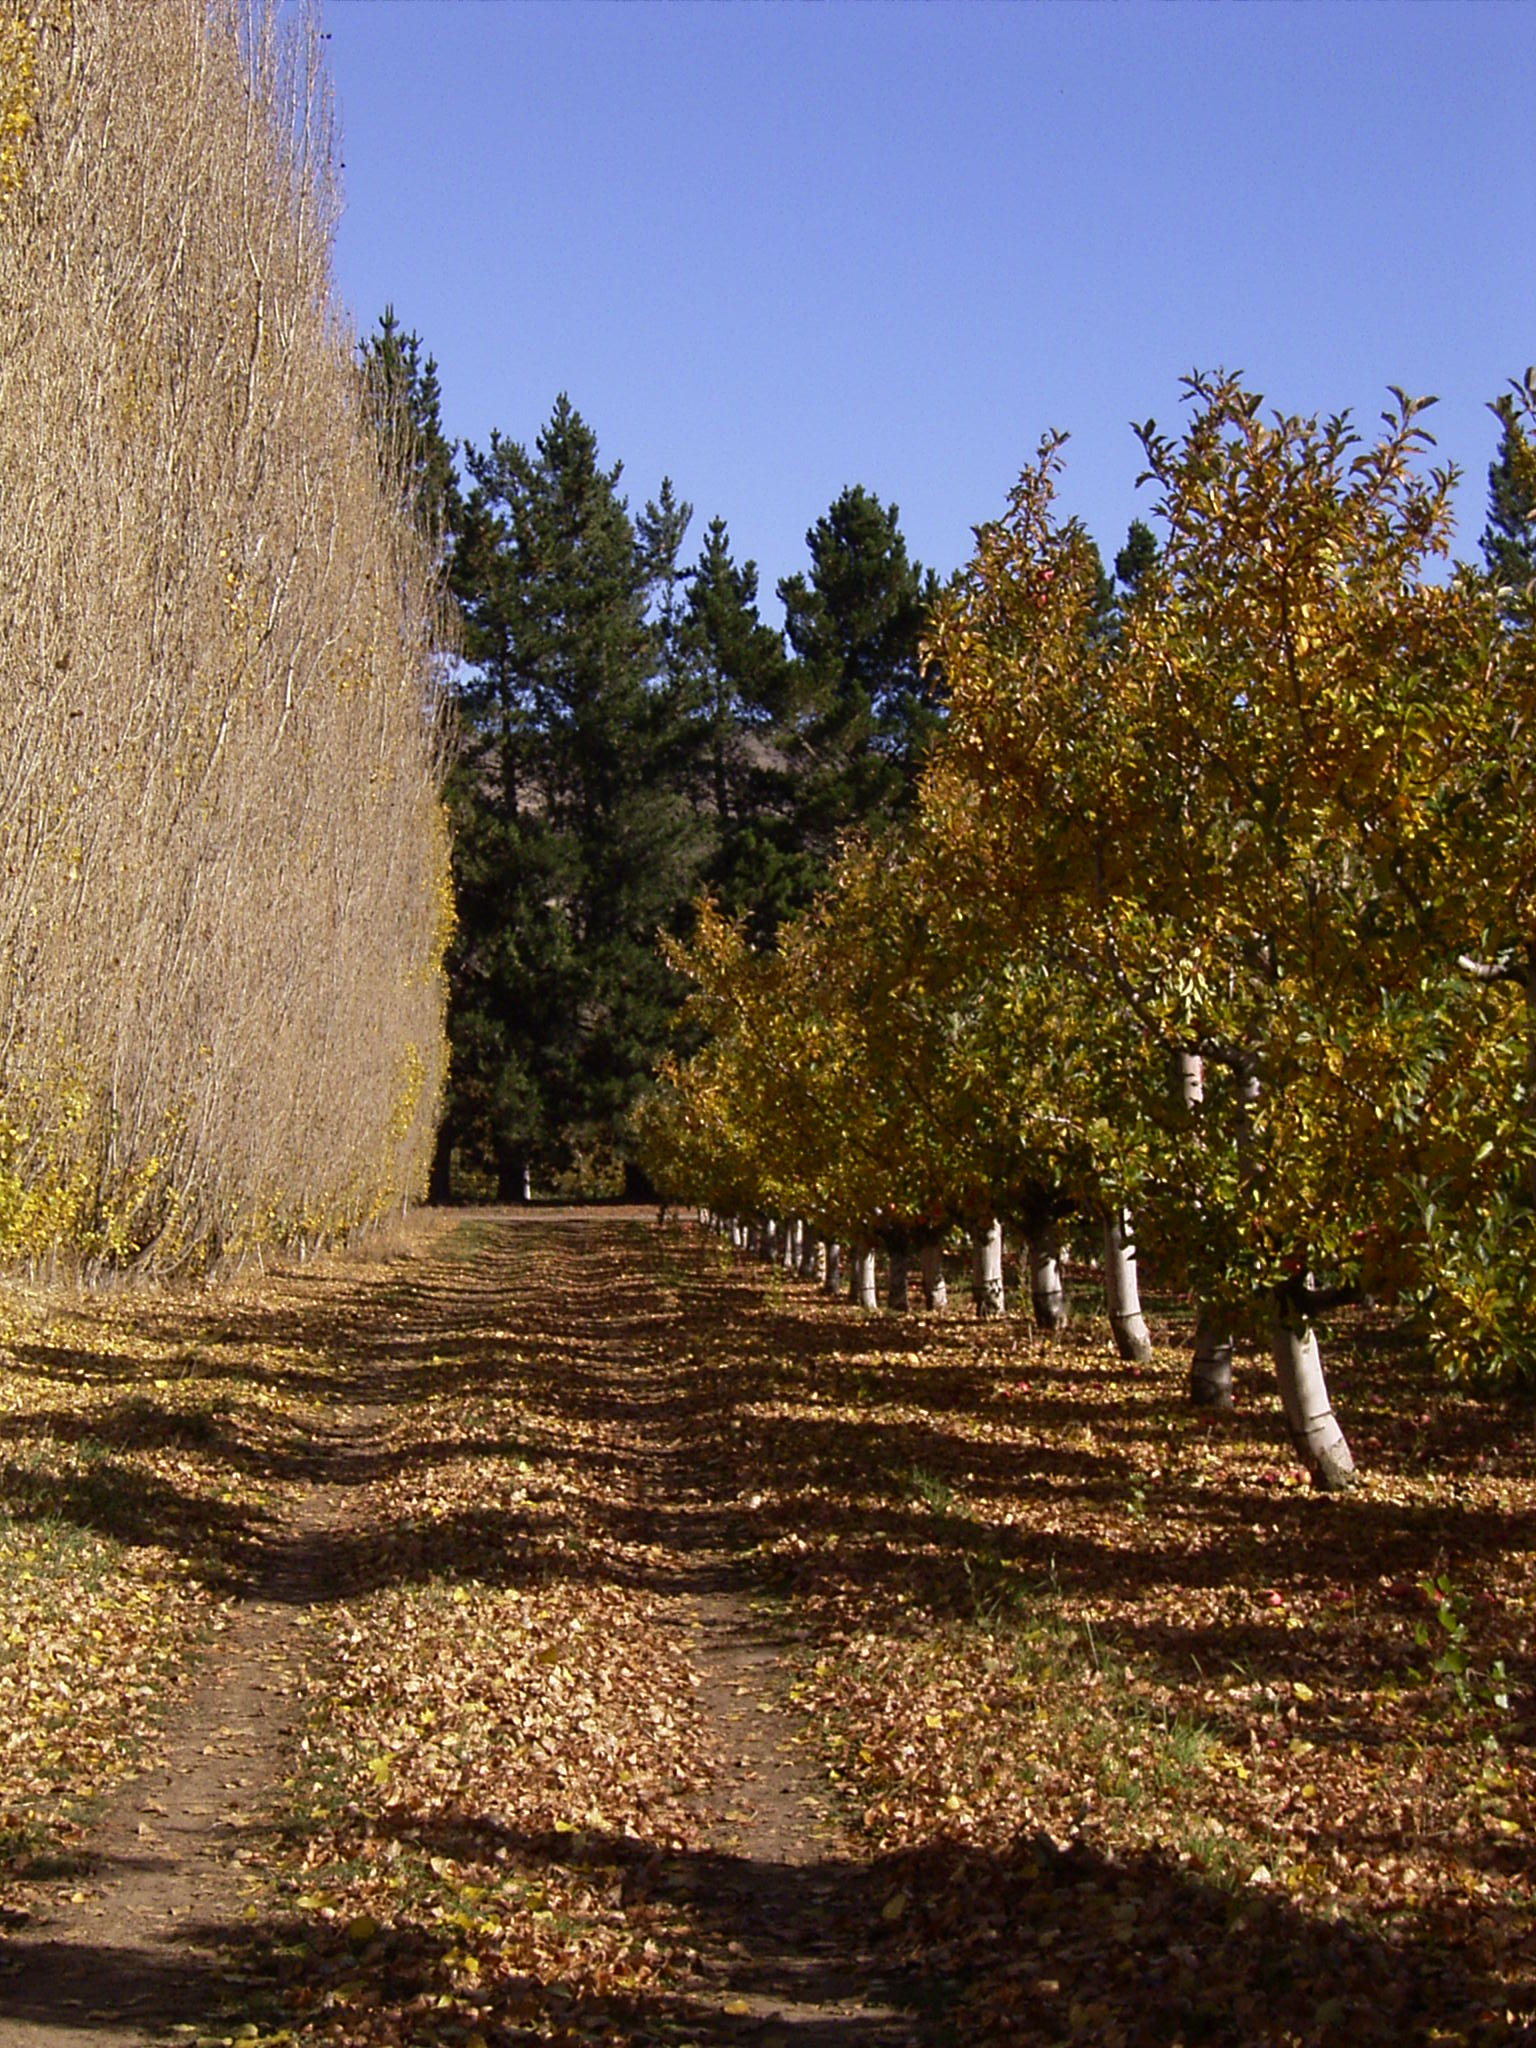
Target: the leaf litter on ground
(1133, 1738)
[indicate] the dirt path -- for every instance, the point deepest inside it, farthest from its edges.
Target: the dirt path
(799, 1967)
(153, 1935)
(136, 1942)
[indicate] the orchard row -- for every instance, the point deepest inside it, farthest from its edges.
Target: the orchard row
(1215, 928)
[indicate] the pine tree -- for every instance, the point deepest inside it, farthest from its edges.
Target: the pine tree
(1509, 539)
(737, 696)
(576, 846)
(661, 529)
(868, 703)
(1136, 557)
(405, 399)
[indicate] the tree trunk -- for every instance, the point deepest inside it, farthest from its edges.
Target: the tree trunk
(861, 1277)
(1210, 1369)
(514, 1181)
(935, 1293)
(1210, 1366)
(987, 1271)
(897, 1266)
(768, 1243)
(1047, 1291)
(792, 1244)
(832, 1279)
(1189, 1078)
(810, 1255)
(1319, 1441)
(440, 1179)
(1122, 1296)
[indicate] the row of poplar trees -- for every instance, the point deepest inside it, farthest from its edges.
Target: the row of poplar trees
(224, 887)
(1213, 926)
(631, 734)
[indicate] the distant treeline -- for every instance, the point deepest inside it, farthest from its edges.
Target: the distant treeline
(631, 735)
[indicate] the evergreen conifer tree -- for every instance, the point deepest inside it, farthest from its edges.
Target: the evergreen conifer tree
(1136, 557)
(737, 699)
(867, 702)
(1509, 539)
(406, 401)
(576, 844)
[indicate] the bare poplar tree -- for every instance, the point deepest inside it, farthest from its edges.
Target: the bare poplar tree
(224, 886)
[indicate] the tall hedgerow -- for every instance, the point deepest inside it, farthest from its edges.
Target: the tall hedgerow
(224, 888)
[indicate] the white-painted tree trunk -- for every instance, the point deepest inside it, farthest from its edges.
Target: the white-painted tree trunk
(897, 1268)
(791, 1257)
(1047, 1290)
(1122, 1296)
(931, 1263)
(832, 1279)
(987, 1271)
(1319, 1441)
(861, 1277)
(1189, 1078)
(768, 1244)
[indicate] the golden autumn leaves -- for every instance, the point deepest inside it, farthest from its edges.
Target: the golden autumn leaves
(1265, 810)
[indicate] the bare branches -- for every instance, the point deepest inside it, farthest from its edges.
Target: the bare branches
(223, 869)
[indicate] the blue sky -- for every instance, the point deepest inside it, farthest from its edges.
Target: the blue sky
(771, 250)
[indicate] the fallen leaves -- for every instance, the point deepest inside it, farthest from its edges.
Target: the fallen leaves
(1132, 1739)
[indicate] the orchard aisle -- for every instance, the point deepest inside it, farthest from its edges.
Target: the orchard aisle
(494, 1742)
(607, 1643)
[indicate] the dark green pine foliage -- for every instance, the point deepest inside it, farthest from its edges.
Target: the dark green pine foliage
(661, 529)
(403, 395)
(1509, 539)
(866, 701)
(736, 683)
(1136, 557)
(1113, 594)
(575, 843)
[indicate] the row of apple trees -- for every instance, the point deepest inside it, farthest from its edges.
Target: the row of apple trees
(1217, 926)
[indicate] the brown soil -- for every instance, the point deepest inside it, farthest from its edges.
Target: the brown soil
(796, 1968)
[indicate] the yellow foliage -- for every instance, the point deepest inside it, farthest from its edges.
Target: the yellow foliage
(21, 42)
(18, 95)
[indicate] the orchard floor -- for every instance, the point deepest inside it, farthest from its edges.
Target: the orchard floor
(548, 1629)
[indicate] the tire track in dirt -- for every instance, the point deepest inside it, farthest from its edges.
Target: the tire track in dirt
(799, 1969)
(139, 1941)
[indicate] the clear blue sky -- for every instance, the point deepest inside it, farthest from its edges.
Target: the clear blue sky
(771, 250)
